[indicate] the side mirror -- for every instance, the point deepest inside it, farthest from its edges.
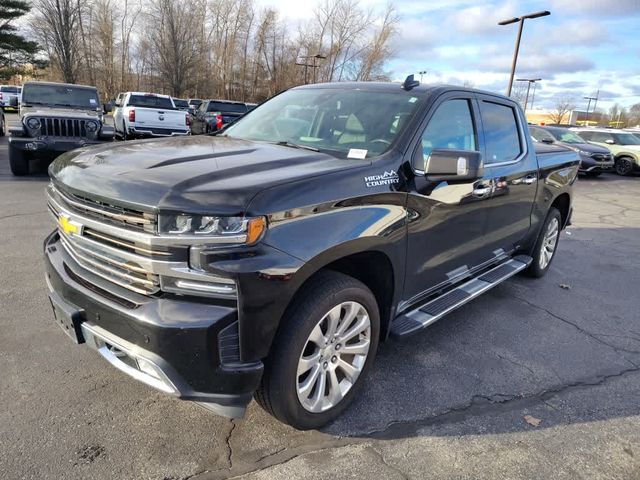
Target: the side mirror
(449, 165)
(107, 108)
(547, 140)
(608, 141)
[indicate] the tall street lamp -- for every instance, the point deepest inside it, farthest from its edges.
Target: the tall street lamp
(530, 80)
(421, 73)
(519, 20)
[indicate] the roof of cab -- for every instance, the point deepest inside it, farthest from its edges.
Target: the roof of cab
(59, 84)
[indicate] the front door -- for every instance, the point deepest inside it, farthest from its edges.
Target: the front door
(446, 220)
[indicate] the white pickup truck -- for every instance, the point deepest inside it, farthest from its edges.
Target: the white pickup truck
(139, 114)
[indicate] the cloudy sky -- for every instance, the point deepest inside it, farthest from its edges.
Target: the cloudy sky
(585, 45)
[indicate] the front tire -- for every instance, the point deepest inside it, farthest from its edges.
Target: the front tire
(624, 166)
(323, 351)
(18, 161)
(545, 248)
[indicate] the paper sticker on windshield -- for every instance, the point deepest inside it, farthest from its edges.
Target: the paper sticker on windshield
(92, 101)
(357, 153)
(413, 99)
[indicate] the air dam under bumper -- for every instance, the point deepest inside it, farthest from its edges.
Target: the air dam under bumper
(167, 343)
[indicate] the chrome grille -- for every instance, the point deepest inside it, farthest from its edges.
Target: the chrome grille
(62, 127)
(102, 211)
(601, 157)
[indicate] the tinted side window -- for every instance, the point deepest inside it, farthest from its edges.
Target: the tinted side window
(501, 132)
(450, 127)
(601, 137)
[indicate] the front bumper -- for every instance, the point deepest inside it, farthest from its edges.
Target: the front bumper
(156, 132)
(589, 164)
(166, 342)
(51, 144)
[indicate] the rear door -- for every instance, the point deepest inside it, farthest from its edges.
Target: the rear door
(447, 220)
(511, 168)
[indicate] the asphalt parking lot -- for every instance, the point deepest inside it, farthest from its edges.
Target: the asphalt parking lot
(452, 402)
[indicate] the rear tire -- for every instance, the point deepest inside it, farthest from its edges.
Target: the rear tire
(624, 166)
(18, 161)
(3, 126)
(546, 246)
(306, 359)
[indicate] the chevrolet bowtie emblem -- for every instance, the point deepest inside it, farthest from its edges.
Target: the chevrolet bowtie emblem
(68, 226)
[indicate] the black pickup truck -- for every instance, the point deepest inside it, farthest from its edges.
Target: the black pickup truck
(271, 259)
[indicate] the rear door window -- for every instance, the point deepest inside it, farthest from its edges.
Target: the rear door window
(501, 132)
(150, 101)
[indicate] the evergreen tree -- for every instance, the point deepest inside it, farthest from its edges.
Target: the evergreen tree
(15, 50)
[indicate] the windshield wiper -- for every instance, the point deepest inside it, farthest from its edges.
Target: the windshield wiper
(286, 143)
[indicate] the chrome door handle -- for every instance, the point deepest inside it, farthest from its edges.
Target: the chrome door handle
(481, 190)
(530, 180)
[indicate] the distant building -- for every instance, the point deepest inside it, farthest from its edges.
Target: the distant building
(574, 117)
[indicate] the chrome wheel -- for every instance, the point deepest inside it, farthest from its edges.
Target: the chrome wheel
(333, 356)
(549, 242)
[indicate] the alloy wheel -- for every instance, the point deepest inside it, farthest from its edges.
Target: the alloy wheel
(549, 243)
(333, 357)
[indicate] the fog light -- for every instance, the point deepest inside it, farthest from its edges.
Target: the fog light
(210, 285)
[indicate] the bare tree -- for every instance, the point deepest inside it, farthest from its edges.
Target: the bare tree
(563, 105)
(56, 24)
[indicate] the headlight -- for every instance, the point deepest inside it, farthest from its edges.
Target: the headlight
(33, 123)
(228, 230)
(91, 126)
(586, 154)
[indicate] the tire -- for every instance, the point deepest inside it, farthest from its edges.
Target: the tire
(541, 261)
(124, 136)
(282, 392)
(624, 166)
(18, 161)
(3, 126)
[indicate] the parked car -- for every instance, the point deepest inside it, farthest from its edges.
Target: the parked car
(141, 114)
(195, 103)
(271, 259)
(212, 115)
(594, 159)
(10, 97)
(55, 118)
(181, 104)
(625, 146)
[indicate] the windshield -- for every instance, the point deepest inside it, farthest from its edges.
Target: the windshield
(567, 136)
(179, 103)
(627, 139)
(61, 95)
(346, 123)
(226, 107)
(150, 101)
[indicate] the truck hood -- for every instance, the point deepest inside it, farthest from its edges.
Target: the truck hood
(42, 111)
(204, 174)
(586, 147)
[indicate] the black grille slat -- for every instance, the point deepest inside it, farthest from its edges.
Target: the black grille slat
(63, 127)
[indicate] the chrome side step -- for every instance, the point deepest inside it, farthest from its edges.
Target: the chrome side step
(437, 308)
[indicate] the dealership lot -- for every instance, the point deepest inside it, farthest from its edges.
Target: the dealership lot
(564, 350)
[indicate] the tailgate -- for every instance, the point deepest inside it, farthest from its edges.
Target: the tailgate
(159, 118)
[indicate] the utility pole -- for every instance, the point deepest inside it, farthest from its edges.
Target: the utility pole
(519, 20)
(313, 65)
(530, 81)
(533, 96)
(588, 106)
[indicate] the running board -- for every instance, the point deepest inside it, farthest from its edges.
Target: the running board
(437, 308)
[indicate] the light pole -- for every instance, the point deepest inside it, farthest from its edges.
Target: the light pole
(588, 106)
(423, 72)
(519, 20)
(313, 65)
(530, 80)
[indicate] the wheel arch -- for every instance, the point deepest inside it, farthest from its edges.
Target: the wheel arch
(563, 203)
